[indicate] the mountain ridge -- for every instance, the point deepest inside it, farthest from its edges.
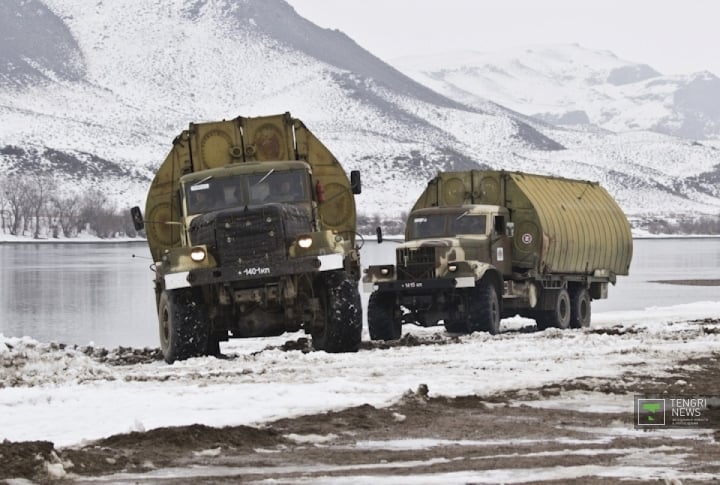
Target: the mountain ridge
(142, 74)
(573, 85)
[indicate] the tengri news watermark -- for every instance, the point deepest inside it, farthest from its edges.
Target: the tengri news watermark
(677, 412)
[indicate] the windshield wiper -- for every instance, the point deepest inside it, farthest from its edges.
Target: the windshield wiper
(203, 180)
(265, 176)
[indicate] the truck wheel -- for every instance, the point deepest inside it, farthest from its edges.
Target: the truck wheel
(381, 317)
(183, 333)
(213, 346)
(559, 316)
(580, 310)
(484, 309)
(340, 300)
(541, 320)
(456, 326)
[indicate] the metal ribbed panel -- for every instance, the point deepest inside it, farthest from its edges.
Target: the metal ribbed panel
(582, 226)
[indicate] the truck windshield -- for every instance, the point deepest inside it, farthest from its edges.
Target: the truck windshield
(278, 186)
(428, 226)
(468, 224)
(202, 196)
(211, 194)
(447, 225)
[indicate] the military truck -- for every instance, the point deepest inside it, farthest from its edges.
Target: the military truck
(485, 245)
(251, 225)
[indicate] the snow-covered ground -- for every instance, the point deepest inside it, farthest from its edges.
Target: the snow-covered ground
(68, 397)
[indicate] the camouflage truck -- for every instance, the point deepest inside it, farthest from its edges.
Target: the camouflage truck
(485, 245)
(251, 225)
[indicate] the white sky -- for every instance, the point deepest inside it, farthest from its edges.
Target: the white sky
(673, 36)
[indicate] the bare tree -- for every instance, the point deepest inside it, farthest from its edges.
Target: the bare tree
(31, 203)
(100, 216)
(40, 189)
(3, 206)
(65, 213)
(16, 195)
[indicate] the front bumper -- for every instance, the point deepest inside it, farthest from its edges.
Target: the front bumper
(419, 286)
(229, 274)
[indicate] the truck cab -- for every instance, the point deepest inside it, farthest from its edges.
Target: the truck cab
(472, 232)
(452, 257)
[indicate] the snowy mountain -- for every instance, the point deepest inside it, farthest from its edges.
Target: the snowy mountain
(94, 94)
(572, 85)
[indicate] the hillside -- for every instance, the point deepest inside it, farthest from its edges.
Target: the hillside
(95, 95)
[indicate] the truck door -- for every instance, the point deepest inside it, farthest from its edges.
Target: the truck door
(501, 245)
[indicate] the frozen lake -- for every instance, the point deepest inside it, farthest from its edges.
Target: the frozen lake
(101, 294)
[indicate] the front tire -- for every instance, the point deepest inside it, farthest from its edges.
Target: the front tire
(183, 331)
(482, 311)
(382, 323)
(485, 309)
(342, 313)
(213, 346)
(455, 326)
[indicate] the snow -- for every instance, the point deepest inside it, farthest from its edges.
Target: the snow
(62, 395)
(557, 79)
(396, 137)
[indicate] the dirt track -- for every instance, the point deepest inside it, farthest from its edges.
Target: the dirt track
(480, 439)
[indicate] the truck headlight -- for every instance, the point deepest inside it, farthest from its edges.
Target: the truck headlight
(197, 254)
(386, 271)
(452, 267)
(304, 242)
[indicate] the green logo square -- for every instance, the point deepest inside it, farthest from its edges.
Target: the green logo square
(651, 412)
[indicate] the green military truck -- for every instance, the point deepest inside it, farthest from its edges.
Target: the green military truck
(251, 225)
(485, 245)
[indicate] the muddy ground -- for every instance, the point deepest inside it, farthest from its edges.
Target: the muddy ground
(458, 438)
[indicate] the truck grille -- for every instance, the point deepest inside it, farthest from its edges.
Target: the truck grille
(249, 235)
(415, 264)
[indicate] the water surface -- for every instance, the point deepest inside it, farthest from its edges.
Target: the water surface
(99, 293)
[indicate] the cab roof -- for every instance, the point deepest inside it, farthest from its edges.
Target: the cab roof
(245, 168)
(457, 209)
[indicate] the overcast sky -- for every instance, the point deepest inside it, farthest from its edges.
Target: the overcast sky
(673, 36)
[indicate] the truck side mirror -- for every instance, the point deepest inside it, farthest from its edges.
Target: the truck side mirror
(510, 229)
(378, 231)
(137, 218)
(355, 182)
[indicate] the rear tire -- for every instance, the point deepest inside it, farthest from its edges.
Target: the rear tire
(559, 316)
(342, 313)
(183, 330)
(580, 308)
(382, 323)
